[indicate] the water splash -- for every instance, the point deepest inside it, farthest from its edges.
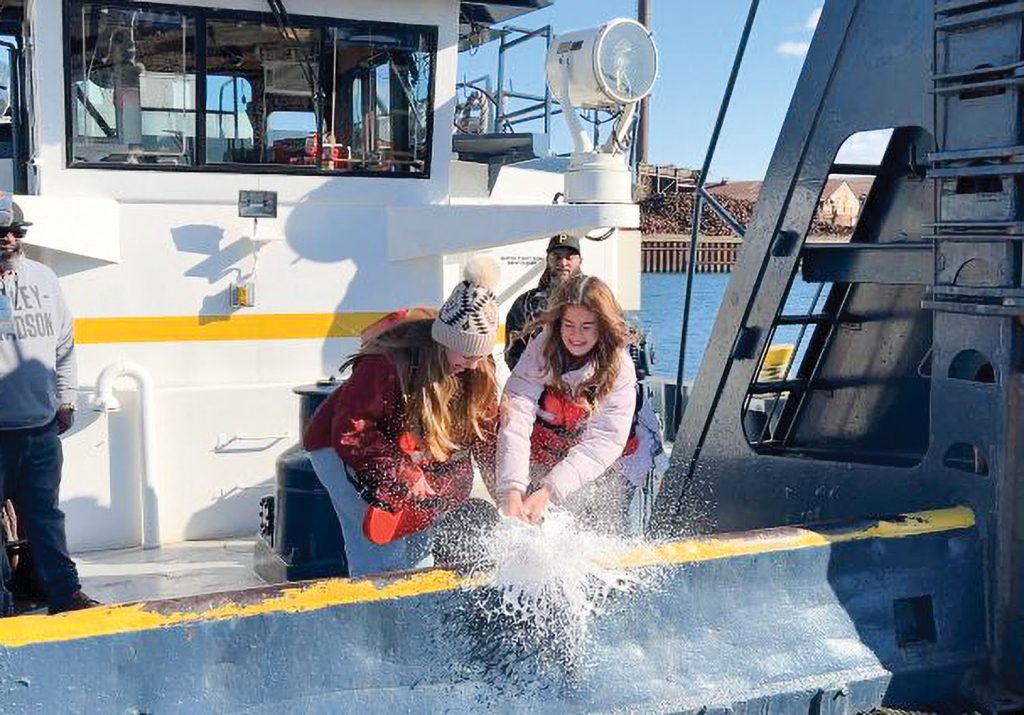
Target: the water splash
(555, 578)
(549, 585)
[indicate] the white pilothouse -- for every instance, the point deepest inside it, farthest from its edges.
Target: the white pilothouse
(230, 191)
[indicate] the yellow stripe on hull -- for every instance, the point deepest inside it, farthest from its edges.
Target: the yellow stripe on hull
(111, 620)
(180, 328)
(189, 328)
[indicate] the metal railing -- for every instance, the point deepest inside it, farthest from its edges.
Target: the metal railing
(701, 196)
(537, 106)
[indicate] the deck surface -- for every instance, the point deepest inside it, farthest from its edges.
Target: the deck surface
(185, 569)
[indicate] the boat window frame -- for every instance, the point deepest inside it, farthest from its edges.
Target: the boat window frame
(199, 15)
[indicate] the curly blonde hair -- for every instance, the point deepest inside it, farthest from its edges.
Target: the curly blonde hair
(613, 334)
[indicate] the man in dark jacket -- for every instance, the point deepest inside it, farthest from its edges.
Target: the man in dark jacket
(563, 261)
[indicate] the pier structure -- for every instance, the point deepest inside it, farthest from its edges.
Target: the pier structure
(660, 179)
(670, 252)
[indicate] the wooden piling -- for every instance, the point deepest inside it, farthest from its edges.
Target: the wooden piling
(667, 253)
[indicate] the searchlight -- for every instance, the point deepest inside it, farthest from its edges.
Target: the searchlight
(611, 67)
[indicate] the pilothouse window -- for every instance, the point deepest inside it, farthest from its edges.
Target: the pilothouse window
(378, 106)
(323, 96)
(260, 93)
(132, 86)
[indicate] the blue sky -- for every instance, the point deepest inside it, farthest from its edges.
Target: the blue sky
(696, 41)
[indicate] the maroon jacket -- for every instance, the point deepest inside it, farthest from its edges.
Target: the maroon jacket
(364, 421)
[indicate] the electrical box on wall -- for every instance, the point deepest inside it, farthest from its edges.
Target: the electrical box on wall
(257, 204)
(243, 295)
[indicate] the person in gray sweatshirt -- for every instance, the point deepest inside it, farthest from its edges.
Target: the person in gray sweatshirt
(37, 403)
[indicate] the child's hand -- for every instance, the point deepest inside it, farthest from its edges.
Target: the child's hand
(536, 504)
(422, 489)
(512, 506)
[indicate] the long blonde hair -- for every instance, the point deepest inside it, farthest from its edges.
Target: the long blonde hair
(447, 411)
(613, 334)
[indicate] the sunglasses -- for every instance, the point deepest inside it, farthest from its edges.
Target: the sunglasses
(16, 231)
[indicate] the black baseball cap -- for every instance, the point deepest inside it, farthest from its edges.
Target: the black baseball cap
(564, 240)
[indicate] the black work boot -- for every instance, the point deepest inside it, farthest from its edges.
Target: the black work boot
(75, 602)
(6, 597)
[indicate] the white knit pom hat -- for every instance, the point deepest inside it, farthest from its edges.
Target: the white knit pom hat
(468, 321)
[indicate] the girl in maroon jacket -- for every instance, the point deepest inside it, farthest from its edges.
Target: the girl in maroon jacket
(392, 444)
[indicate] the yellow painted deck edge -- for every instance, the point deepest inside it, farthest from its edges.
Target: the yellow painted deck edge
(793, 538)
(111, 620)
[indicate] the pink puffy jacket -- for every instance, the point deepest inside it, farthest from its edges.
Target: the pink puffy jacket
(603, 439)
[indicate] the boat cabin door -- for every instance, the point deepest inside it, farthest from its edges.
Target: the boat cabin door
(13, 123)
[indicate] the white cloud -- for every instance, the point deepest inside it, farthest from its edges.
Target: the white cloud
(795, 49)
(864, 147)
(812, 21)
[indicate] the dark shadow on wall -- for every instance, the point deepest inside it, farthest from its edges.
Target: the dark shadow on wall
(209, 522)
(354, 237)
(220, 261)
(121, 521)
(87, 520)
(64, 264)
(206, 239)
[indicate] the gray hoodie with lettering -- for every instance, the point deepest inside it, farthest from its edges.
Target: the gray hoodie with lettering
(37, 346)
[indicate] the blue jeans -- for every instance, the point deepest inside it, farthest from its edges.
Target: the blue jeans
(364, 556)
(30, 466)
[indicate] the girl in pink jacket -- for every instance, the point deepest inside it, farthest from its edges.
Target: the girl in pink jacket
(568, 409)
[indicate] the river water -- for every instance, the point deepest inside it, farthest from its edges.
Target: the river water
(661, 316)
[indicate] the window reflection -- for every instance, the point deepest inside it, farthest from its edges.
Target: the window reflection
(132, 86)
(379, 98)
(260, 93)
(320, 96)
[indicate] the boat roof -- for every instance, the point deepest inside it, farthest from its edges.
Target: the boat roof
(490, 12)
(476, 17)
(471, 12)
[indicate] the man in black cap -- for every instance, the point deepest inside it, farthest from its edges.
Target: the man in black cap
(563, 261)
(38, 385)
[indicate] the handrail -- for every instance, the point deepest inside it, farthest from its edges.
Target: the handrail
(726, 215)
(766, 429)
(698, 205)
(149, 488)
(543, 105)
